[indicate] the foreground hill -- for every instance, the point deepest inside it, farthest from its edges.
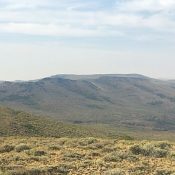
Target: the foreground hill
(44, 156)
(18, 123)
(132, 101)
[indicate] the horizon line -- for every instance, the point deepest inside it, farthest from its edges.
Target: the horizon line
(93, 74)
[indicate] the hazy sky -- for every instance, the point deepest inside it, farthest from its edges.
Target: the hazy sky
(39, 38)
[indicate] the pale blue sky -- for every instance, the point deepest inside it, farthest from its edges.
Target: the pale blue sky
(39, 38)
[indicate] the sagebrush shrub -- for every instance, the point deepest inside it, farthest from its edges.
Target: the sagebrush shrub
(22, 147)
(149, 150)
(6, 148)
(39, 153)
(114, 172)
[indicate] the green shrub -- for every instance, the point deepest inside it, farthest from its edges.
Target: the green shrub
(62, 141)
(94, 154)
(63, 170)
(163, 145)
(55, 148)
(164, 172)
(87, 141)
(136, 150)
(34, 158)
(114, 172)
(6, 148)
(95, 146)
(73, 156)
(159, 153)
(140, 170)
(149, 150)
(60, 169)
(22, 147)
(26, 172)
(172, 155)
(119, 156)
(39, 153)
(108, 149)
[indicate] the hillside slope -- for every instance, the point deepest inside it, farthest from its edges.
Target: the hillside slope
(18, 123)
(132, 100)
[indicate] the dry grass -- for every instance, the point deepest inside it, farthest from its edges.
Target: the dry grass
(47, 156)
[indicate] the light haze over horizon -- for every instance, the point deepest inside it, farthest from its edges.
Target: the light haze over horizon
(39, 38)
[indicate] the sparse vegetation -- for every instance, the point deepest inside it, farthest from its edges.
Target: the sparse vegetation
(77, 156)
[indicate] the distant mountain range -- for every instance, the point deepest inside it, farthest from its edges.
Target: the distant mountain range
(131, 100)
